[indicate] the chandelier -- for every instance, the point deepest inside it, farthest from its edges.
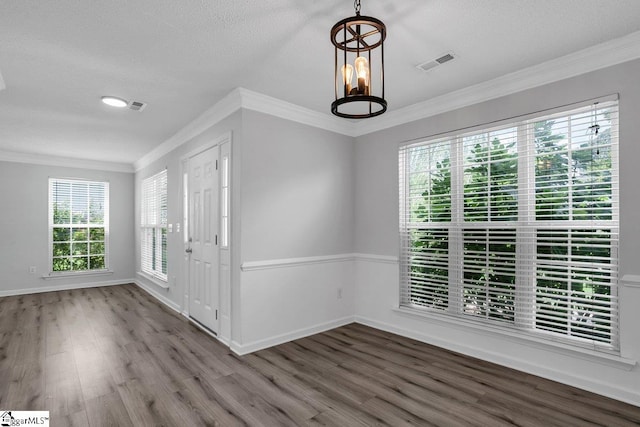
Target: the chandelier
(359, 47)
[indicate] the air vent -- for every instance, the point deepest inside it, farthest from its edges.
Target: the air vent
(444, 58)
(426, 66)
(137, 105)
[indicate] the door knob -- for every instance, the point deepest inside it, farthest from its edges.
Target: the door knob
(188, 250)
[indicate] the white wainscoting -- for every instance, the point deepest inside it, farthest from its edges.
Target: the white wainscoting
(287, 299)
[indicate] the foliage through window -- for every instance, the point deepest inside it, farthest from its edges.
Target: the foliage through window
(78, 225)
(153, 226)
(517, 225)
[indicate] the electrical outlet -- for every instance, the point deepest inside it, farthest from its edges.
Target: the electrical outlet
(32, 269)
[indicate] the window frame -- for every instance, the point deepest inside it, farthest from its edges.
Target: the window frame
(154, 227)
(526, 208)
(88, 225)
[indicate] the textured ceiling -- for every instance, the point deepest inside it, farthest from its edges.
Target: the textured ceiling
(57, 58)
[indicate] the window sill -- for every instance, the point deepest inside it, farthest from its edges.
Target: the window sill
(67, 275)
(591, 355)
(158, 282)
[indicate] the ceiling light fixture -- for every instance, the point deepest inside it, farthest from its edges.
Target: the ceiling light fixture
(356, 38)
(113, 101)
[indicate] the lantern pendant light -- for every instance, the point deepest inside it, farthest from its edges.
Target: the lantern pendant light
(359, 50)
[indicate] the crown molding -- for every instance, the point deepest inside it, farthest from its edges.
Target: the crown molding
(250, 100)
(600, 56)
(285, 110)
(67, 162)
(221, 110)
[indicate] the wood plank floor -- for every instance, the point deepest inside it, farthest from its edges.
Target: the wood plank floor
(114, 356)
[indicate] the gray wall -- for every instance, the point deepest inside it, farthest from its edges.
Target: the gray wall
(24, 192)
(297, 205)
(292, 198)
(297, 190)
(376, 207)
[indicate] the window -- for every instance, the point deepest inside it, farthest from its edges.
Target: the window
(225, 200)
(517, 225)
(153, 226)
(78, 225)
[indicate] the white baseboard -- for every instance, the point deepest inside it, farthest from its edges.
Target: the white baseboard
(242, 349)
(64, 287)
(166, 301)
(626, 395)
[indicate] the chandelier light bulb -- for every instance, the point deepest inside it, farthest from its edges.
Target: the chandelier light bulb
(362, 71)
(347, 75)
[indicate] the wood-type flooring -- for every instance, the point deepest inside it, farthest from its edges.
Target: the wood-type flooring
(114, 356)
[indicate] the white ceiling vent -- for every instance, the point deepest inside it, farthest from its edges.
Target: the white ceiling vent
(137, 105)
(426, 66)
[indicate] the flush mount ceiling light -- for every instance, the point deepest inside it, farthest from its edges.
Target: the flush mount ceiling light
(355, 39)
(113, 101)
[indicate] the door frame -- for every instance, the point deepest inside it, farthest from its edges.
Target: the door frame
(224, 280)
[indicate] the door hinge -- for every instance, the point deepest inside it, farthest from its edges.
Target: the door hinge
(216, 239)
(216, 314)
(216, 165)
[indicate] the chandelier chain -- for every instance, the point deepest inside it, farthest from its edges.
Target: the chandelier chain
(356, 6)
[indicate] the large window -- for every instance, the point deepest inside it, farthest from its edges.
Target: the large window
(517, 225)
(153, 226)
(78, 225)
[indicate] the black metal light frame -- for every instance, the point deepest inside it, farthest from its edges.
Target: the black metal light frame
(361, 35)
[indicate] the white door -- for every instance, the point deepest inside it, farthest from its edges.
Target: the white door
(203, 205)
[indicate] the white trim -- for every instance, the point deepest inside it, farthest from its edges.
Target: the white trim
(245, 98)
(225, 137)
(67, 162)
(380, 259)
(160, 283)
(166, 301)
(295, 262)
(242, 349)
(64, 287)
(285, 110)
(596, 57)
(322, 259)
(600, 56)
(70, 275)
(630, 281)
(221, 110)
(626, 395)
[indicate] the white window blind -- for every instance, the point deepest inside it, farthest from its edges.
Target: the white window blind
(517, 225)
(153, 226)
(78, 225)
